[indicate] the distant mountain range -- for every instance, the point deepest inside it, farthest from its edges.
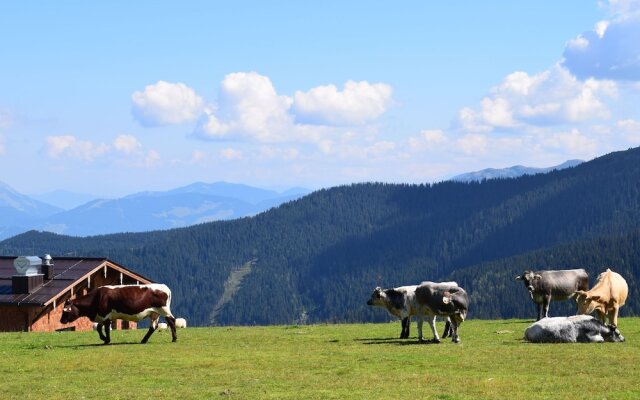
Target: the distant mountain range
(139, 212)
(511, 172)
(317, 259)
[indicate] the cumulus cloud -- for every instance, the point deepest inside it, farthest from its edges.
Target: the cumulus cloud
(573, 142)
(69, 146)
(127, 144)
(630, 128)
(165, 103)
(611, 50)
(358, 103)
(248, 106)
(554, 96)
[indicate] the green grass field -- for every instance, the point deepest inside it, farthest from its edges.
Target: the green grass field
(358, 361)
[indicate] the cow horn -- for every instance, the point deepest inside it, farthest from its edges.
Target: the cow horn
(519, 278)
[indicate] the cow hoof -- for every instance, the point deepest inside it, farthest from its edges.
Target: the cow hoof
(174, 340)
(435, 341)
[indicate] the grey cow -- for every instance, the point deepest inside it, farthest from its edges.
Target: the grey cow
(401, 302)
(444, 300)
(547, 286)
(575, 329)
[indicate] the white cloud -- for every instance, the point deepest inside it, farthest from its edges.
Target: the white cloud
(473, 144)
(165, 103)
(2, 147)
(551, 97)
(127, 144)
(611, 50)
(69, 146)
(358, 103)
(573, 142)
(248, 106)
(630, 129)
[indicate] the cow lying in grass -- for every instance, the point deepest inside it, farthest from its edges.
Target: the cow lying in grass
(127, 302)
(574, 329)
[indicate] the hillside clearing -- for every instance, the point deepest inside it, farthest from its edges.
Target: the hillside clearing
(360, 361)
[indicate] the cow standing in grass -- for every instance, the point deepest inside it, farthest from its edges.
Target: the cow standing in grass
(401, 302)
(127, 302)
(605, 298)
(547, 286)
(444, 300)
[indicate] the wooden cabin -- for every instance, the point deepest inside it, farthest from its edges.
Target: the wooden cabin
(33, 290)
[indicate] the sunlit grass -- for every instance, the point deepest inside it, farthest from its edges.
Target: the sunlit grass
(364, 361)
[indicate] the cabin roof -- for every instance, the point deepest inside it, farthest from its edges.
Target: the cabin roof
(68, 272)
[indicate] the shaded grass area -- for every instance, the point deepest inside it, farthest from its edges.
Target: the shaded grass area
(356, 361)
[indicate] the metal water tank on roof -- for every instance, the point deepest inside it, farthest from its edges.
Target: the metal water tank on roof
(27, 265)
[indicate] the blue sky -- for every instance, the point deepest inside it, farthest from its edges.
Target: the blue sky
(115, 97)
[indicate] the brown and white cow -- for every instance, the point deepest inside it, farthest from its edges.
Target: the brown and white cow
(127, 302)
(605, 298)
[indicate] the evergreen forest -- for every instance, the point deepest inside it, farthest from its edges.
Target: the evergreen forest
(317, 259)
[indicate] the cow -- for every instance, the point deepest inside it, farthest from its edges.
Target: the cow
(444, 300)
(400, 302)
(127, 302)
(181, 323)
(605, 298)
(545, 286)
(574, 329)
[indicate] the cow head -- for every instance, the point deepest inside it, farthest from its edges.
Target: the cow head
(378, 297)
(613, 334)
(587, 304)
(529, 278)
(70, 312)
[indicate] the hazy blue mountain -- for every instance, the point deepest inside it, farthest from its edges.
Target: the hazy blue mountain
(511, 172)
(64, 199)
(17, 209)
(193, 204)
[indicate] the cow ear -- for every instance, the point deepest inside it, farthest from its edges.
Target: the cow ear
(378, 289)
(519, 278)
(594, 298)
(578, 293)
(537, 276)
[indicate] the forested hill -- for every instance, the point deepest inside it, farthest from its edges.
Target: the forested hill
(318, 258)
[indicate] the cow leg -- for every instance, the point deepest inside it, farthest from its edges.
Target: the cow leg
(545, 305)
(539, 311)
(152, 327)
(613, 316)
(454, 332)
(406, 322)
(432, 324)
(420, 320)
(106, 324)
(171, 321)
(99, 329)
(447, 328)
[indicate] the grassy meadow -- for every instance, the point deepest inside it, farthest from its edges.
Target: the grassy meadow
(350, 361)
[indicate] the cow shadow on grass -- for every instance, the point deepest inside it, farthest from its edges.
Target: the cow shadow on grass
(89, 345)
(392, 341)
